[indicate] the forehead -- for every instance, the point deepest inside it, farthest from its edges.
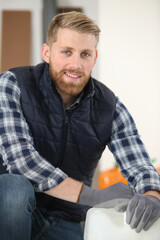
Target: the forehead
(70, 38)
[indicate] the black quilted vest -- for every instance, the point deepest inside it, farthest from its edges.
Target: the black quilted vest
(73, 139)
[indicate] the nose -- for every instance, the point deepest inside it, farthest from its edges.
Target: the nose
(75, 62)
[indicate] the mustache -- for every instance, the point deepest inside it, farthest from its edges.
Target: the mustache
(73, 71)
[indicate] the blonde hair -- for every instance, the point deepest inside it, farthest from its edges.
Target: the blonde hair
(72, 20)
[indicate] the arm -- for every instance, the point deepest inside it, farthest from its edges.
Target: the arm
(68, 190)
(152, 193)
(130, 153)
(17, 147)
(144, 208)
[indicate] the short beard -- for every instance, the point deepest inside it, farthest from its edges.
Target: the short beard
(69, 88)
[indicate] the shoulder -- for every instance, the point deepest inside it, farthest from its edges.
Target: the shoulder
(23, 74)
(7, 79)
(103, 93)
(27, 75)
(102, 89)
(9, 87)
(7, 76)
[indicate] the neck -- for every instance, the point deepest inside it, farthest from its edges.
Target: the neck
(67, 99)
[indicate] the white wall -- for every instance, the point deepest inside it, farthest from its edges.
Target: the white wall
(35, 6)
(130, 63)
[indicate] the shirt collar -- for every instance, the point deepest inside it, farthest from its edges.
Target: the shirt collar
(77, 102)
(88, 91)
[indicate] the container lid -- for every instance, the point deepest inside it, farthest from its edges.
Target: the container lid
(104, 224)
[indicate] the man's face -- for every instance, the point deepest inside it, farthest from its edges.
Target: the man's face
(71, 59)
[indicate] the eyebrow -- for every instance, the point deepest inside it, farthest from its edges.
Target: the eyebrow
(83, 50)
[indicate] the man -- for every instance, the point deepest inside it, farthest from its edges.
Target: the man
(55, 122)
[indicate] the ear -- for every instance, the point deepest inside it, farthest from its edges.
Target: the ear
(95, 60)
(45, 52)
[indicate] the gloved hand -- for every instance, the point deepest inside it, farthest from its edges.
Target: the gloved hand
(142, 212)
(113, 196)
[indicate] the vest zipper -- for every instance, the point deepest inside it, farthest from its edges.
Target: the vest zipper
(64, 138)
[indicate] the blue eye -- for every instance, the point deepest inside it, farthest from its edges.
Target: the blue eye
(85, 54)
(66, 52)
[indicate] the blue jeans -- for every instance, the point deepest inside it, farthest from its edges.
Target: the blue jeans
(21, 220)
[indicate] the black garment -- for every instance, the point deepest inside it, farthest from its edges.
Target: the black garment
(72, 139)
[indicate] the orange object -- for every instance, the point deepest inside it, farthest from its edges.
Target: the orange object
(112, 176)
(158, 169)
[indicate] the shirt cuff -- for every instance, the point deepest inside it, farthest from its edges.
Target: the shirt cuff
(154, 187)
(55, 178)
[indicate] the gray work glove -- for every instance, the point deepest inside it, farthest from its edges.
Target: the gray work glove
(142, 212)
(115, 196)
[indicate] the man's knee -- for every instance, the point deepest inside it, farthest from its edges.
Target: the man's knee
(16, 191)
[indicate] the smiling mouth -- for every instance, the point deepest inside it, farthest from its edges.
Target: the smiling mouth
(72, 75)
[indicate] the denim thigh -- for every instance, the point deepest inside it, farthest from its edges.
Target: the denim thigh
(54, 228)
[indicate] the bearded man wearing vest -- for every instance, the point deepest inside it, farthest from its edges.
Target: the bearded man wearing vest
(55, 122)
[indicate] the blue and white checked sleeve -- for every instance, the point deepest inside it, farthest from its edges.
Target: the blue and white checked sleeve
(130, 153)
(16, 143)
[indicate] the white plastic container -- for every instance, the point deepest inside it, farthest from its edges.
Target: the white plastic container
(107, 224)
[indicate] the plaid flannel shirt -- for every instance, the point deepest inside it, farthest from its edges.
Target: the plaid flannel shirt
(20, 156)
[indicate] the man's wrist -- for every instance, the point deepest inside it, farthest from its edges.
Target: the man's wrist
(80, 192)
(69, 190)
(153, 193)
